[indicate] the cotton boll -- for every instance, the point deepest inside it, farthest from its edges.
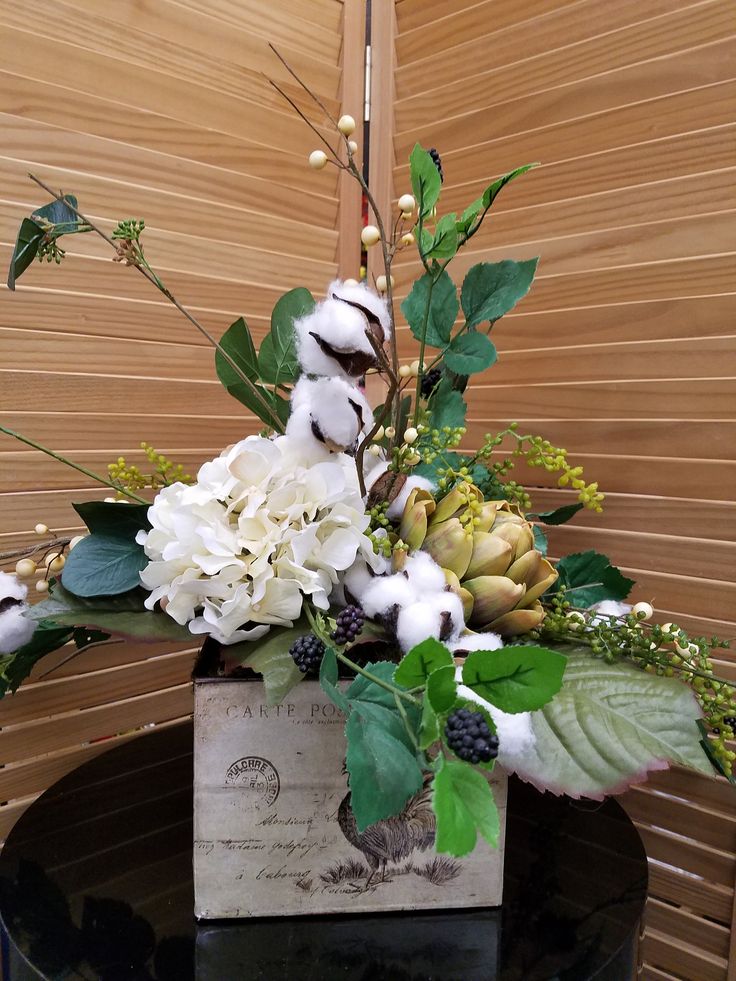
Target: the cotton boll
(396, 508)
(332, 340)
(608, 608)
(424, 574)
(450, 607)
(515, 733)
(365, 297)
(387, 591)
(373, 468)
(12, 588)
(416, 623)
(15, 629)
(477, 642)
(328, 411)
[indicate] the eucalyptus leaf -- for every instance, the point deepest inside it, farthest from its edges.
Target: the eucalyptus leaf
(58, 212)
(560, 515)
(270, 658)
(118, 520)
(464, 805)
(26, 247)
(469, 353)
(277, 360)
(103, 565)
(238, 343)
(443, 309)
(491, 289)
(607, 728)
(425, 179)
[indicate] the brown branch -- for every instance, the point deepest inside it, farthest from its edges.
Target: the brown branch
(31, 549)
(80, 650)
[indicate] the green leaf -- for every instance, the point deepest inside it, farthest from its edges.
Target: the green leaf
(444, 241)
(593, 578)
(468, 216)
(540, 539)
(328, 675)
(425, 179)
(416, 666)
(429, 728)
(607, 727)
(464, 805)
(238, 343)
(270, 658)
(384, 774)
(493, 190)
(26, 247)
(58, 212)
(469, 353)
(515, 679)
(103, 565)
(491, 289)
(443, 309)
(560, 515)
(114, 520)
(277, 360)
(442, 688)
(15, 668)
(446, 406)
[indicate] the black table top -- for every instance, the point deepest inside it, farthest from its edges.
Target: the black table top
(96, 883)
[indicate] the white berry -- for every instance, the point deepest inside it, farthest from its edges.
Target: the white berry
(75, 541)
(25, 568)
(404, 371)
(374, 450)
(317, 159)
(41, 529)
(644, 611)
(414, 368)
(407, 203)
(381, 283)
(407, 239)
(352, 146)
(379, 433)
(42, 586)
(350, 282)
(390, 432)
(407, 215)
(370, 235)
(50, 558)
(411, 435)
(346, 125)
(57, 564)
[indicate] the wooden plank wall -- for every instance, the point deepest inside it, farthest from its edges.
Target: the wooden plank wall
(624, 352)
(154, 108)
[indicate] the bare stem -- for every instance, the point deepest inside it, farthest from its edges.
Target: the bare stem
(80, 650)
(19, 553)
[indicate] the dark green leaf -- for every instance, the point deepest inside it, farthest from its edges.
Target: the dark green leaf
(58, 212)
(83, 636)
(469, 353)
(429, 729)
(540, 539)
(328, 675)
(492, 191)
(442, 688)
(443, 309)
(384, 774)
(468, 216)
(277, 360)
(491, 289)
(593, 578)
(416, 666)
(464, 805)
(425, 179)
(446, 406)
(444, 241)
(238, 343)
(15, 668)
(270, 658)
(515, 679)
(102, 565)
(560, 515)
(114, 520)
(26, 247)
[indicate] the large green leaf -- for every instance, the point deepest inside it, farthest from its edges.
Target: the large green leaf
(15, 668)
(425, 179)
(238, 343)
(26, 247)
(416, 666)
(469, 353)
(59, 213)
(443, 309)
(446, 407)
(328, 675)
(591, 578)
(464, 805)
(117, 520)
(444, 240)
(270, 658)
(515, 679)
(103, 565)
(608, 726)
(277, 360)
(491, 289)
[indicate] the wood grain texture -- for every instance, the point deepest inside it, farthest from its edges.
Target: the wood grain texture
(623, 351)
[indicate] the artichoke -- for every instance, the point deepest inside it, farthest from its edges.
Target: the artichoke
(486, 549)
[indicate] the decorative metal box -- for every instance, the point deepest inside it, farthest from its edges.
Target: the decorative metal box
(274, 832)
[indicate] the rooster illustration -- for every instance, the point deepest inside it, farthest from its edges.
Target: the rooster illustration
(392, 839)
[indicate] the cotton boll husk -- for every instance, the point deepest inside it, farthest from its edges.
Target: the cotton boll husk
(396, 508)
(477, 642)
(366, 297)
(416, 623)
(515, 733)
(338, 324)
(12, 588)
(15, 629)
(373, 468)
(339, 410)
(424, 575)
(387, 591)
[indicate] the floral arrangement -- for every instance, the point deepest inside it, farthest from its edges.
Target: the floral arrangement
(369, 541)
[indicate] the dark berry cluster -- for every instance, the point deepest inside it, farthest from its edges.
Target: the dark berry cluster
(469, 737)
(348, 624)
(430, 381)
(730, 720)
(437, 162)
(307, 652)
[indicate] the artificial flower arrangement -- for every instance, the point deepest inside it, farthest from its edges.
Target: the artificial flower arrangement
(350, 539)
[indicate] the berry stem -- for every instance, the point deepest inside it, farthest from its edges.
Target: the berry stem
(387, 686)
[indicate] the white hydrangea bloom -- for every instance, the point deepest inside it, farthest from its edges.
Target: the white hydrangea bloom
(263, 527)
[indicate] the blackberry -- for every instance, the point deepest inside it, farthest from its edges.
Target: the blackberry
(469, 737)
(430, 382)
(348, 624)
(730, 720)
(307, 652)
(437, 162)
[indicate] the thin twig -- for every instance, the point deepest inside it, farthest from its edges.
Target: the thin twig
(80, 650)
(19, 553)
(310, 93)
(309, 123)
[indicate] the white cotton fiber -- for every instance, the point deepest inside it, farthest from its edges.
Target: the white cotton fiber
(339, 325)
(611, 608)
(11, 586)
(367, 298)
(515, 733)
(448, 602)
(416, 623)
(338, 410)
(396, 508)
(385, 592)
(15, 629)
(424, 574)
(477, 642)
